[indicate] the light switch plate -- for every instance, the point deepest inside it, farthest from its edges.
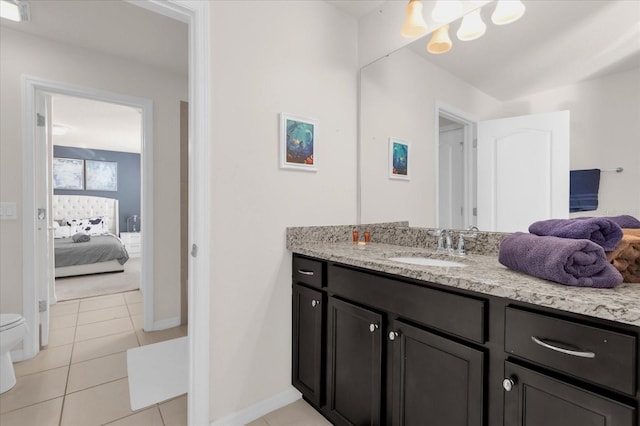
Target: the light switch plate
(8, 210)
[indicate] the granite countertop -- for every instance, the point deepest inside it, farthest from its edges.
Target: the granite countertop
(484, 275)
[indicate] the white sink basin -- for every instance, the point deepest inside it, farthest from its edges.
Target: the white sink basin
(427, 261)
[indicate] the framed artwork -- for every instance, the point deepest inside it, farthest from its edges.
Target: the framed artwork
(101, 175)
(298, 143)
(68, 173)
(398, 159)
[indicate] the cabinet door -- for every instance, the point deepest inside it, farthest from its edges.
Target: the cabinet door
(354, 364)
(436, 381)
(308, 350)
(538, 400)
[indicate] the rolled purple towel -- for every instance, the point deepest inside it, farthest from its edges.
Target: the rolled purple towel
(625, 221)
(579, 263)
(599, 230)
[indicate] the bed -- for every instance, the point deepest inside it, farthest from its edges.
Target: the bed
(97, 216)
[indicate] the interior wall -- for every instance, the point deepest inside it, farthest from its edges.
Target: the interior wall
(399, 95)
(128, 186)
(300, 58)
(605, 126)
(22, 54)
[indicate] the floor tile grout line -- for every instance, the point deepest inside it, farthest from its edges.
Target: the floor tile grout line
(31, 405)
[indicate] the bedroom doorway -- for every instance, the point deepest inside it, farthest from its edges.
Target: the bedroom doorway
(104, 138)
(42, 92)
(196, 15)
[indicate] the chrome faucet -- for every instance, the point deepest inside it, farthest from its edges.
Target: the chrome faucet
(444, 241)
(461, 249)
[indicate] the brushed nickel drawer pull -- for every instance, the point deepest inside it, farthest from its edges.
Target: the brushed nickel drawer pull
(563, 350)
(303, 272)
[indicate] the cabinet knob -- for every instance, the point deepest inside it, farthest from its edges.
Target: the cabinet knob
(393, 335)
(508, 384)
(373, 327)
(315, 303)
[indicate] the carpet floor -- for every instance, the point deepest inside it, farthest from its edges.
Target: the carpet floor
(82, 286)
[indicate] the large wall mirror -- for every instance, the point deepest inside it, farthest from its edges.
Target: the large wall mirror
(577, 56)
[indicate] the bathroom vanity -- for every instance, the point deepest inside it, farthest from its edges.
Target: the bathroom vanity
(378, 342)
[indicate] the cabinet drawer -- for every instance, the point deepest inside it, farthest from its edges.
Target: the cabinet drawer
(453, 313)
(307, 271)
(601, 356)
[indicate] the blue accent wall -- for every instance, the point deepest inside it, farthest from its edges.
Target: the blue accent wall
(129, 184)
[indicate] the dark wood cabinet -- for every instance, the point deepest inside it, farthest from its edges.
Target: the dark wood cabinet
(374, 349)
(436, 381)
(308, 351)
(354, 365)
(535, 399)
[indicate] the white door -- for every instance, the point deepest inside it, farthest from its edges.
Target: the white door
(451, 179)
(523, 171)
(44, 233)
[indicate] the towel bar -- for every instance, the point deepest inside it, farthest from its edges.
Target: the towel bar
(617, 170)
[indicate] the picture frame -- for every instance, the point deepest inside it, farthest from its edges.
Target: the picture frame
(298, 143)
(399, 159)
(68, 173)
(101, 175)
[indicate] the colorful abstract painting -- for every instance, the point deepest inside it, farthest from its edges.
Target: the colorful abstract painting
(298, 143)
(68, 173)
(398, 159)
(102, 175)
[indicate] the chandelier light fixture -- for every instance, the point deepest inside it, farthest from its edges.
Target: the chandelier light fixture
(446, 11)
(472, 26)
(440, 41)
(507, 11)
(414, 25)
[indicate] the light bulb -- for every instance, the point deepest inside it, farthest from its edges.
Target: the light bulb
(507, 11)
(440, 41)
(472, 26)
(9, 10)
(414, 25)
(446, 11)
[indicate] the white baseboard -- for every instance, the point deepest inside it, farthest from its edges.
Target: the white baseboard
(258, 410)
(165, 323)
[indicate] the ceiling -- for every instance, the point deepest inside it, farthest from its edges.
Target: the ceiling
(557, 42)
(113, 28)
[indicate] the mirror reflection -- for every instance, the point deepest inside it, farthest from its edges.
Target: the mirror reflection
(580, 57)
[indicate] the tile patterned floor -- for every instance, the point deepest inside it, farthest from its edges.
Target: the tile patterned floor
(80, 379)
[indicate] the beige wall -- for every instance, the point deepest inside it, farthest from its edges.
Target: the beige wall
(399, 95)
(271, 57)
(605, 125)
(24, 54)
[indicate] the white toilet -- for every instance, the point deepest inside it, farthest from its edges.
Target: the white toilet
(13, 328)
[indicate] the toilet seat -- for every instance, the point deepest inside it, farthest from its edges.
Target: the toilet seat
(9, 321)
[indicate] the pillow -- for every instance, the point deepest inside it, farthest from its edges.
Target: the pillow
(89, 226)
(62, 231)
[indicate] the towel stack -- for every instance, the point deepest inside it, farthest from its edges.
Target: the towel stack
(572, 251)
(626, 256)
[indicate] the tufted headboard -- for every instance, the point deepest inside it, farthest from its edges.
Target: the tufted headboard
(81, 207)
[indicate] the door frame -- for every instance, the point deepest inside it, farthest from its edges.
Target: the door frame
(33, 87)
(196, 14)
(469, 122)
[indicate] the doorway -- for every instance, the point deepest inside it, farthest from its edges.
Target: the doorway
(37, 91)
(456, 168)
(196, 14)
(105, 138)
